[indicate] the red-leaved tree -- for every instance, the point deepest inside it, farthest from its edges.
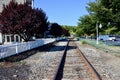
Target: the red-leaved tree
(21, 19)
(65, 32)
(40, 22)
(56, 30)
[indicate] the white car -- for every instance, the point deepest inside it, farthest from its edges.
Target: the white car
(107, 37)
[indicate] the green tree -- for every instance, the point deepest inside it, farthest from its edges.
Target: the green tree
(70, 29)
(106, 11)
(111, 30)
(87, 25)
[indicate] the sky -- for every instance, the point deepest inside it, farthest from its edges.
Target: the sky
(63, 12)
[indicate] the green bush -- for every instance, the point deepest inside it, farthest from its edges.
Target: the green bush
(83, 42)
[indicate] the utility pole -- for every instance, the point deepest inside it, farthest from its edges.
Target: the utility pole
(97, 32)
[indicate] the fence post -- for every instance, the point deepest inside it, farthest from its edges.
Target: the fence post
(16, 47)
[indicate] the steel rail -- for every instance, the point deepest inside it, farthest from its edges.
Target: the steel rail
(89, 65)
(59, 71)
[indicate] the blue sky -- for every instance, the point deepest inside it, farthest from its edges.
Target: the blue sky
(63, 12)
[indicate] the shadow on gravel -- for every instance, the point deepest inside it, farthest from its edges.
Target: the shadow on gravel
(56, 48)
(60, 48)
(71, 47)
(24, 55)
(19, 57)
(14, 71)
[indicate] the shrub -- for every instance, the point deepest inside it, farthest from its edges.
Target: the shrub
(83, 42)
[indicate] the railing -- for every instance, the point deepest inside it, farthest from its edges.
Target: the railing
(112, 43)
(8, 50)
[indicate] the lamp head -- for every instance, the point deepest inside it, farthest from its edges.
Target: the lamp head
(100, 26)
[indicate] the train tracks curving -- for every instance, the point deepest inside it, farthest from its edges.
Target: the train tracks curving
(72, 65)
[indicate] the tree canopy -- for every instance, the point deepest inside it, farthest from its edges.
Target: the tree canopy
(21, 19)
(105, 12)
(56, 30)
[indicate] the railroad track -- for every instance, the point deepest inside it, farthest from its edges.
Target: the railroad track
(72, 65)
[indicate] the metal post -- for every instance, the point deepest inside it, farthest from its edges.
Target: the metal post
(16, 47)
(97, 33)
(32, 4)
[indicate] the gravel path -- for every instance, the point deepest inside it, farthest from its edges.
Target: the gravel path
(34, 67)
(106, 64)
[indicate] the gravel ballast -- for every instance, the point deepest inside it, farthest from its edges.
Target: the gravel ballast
(107, 65)
(34, 67)
(36, 64)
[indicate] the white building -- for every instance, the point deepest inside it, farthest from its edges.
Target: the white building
(5, 2)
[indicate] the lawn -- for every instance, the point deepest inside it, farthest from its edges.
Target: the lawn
(103, 46)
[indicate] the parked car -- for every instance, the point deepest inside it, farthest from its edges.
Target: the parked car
(107, 37)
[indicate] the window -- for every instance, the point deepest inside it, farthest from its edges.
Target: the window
(17, 39)
(12, 38)
(3, 2)
(8, 38)
(29, 2)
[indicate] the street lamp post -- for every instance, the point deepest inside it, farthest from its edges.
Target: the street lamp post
(97, 32)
